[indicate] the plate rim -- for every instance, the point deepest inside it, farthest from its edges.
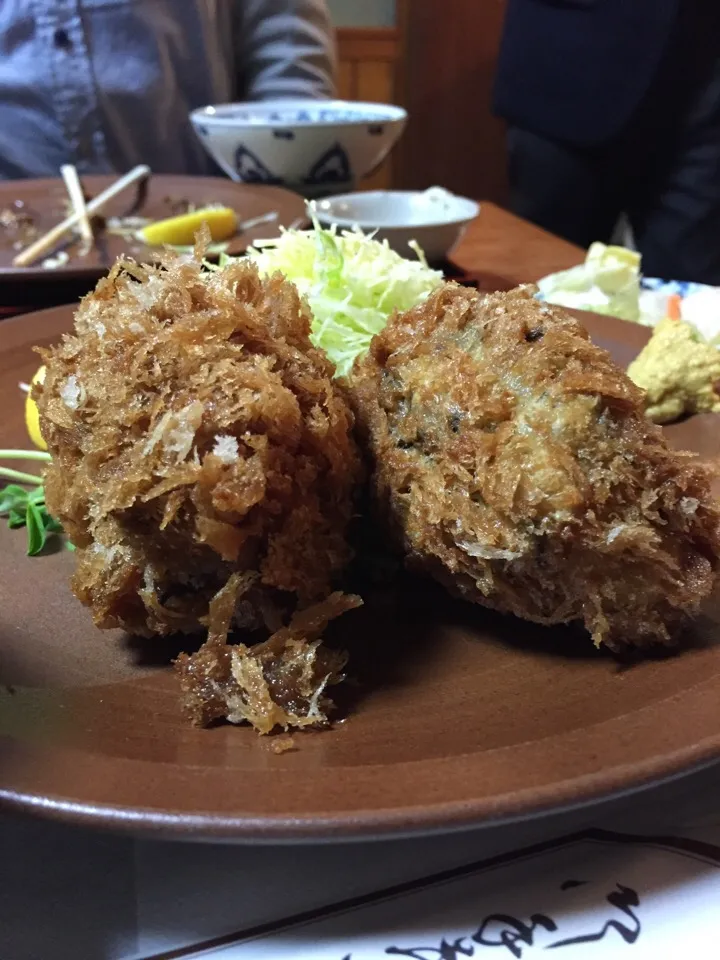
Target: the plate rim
(404, 823)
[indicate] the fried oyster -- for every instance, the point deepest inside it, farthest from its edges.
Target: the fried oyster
(513, 462)
(203, 462)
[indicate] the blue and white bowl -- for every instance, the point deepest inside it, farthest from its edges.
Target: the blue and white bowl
(315, 147)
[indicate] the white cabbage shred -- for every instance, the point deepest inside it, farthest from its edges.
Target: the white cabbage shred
(352, 282)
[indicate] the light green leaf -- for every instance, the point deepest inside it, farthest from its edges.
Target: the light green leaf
(16, 517)
(12, 496)
(36, 530)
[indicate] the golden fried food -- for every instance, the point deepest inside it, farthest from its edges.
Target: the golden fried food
(278, 683)
(198, 441)
(513, 462)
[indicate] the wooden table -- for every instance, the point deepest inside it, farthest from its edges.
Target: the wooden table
(499, 250)
(500, 245)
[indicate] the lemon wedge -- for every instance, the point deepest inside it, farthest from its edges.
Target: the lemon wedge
(32, 416)
(180, 231)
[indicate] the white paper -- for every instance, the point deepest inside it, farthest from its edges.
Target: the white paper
(599, 894)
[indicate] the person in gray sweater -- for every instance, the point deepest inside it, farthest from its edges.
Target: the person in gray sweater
(106, 84)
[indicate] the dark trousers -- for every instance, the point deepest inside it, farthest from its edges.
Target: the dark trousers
(663, 171)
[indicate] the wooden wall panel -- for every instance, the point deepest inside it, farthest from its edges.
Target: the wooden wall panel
(346, 79)
(439, 63)
(450, 53)
(374, 80)
(368, 65)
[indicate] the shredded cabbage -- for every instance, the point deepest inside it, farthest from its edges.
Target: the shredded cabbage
(607, 282)
(352, 282)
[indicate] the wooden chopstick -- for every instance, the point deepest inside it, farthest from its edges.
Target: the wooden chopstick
(244, 225)
(46, 242)
(77, 200)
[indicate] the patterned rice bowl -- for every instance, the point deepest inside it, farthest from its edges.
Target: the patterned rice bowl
(315, 147)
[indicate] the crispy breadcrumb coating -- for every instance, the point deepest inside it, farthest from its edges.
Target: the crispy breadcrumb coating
(197, 437)
(514, 463)
(280, 683)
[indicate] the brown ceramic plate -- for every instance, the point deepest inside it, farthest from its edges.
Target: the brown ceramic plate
(459, 717)
(46, 200)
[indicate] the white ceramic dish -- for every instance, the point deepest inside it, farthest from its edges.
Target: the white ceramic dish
(435, 218)
(315, 147)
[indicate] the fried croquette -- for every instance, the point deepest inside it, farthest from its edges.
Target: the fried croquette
(513, 462)
(200, 448)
